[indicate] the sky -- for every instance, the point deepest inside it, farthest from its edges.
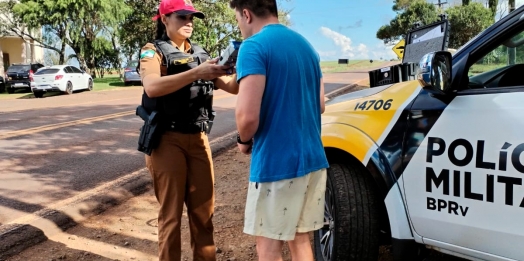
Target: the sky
(342, 29)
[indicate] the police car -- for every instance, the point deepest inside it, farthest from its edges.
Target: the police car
(434, 163)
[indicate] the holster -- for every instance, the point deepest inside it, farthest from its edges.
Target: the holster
(150, 132)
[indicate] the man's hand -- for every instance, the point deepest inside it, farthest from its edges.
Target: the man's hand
(246, 149)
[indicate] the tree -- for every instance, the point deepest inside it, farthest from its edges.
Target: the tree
(408, 12)
(466, 21)
(77, 23)
(106, 57)
(465, 2)
(140, 24)
(93, 19)
(219, 28)
(212, 33)
(17, 20)
(493, 6)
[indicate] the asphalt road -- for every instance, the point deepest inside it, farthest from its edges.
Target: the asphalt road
(52, 149)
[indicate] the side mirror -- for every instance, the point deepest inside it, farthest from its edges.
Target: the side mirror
(434, 71)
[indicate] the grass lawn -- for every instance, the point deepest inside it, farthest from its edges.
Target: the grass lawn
(334, 67)
(109, 82)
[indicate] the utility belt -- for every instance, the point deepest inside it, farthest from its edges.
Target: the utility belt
(189, 128)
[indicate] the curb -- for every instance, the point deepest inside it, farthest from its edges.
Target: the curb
(35, 228)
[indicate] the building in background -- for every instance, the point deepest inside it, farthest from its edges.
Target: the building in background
(15, 49)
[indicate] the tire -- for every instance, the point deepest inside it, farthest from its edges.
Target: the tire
(38, 94)
(69, 88)
(90, 85)
(351, 215)
(2, 88)
(10, 90)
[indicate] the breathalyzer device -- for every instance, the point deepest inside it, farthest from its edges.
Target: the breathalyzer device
(230, 53)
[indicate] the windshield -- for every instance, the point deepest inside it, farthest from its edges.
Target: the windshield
(19, 68)
(47, 71)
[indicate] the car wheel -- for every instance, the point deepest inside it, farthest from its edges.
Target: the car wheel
(127, 83)
(39, 94)
(2, 88)
(10, 90)
(351, 216)
(90, 85)
(69, 88)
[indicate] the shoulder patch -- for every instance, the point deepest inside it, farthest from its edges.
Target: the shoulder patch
(147, 54)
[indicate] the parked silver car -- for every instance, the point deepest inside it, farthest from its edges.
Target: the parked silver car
(131, 77)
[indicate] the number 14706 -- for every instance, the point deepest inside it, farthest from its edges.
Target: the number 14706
(374, 104)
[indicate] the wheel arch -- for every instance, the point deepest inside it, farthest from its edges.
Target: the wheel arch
(349, 145)
(344, 143)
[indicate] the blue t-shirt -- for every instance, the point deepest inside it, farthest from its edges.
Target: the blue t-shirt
(287, 142)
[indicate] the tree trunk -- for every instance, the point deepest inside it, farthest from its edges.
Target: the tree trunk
(61, 59)
(493, 6)
(512, 52)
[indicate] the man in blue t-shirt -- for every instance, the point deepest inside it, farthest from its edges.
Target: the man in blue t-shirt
(280, 100)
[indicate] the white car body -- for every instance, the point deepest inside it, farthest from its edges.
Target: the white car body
(58, 77)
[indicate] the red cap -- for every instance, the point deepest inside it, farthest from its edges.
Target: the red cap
(180, 7)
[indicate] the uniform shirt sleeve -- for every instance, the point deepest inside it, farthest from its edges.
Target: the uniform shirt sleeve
(250, 60)
(150, 61)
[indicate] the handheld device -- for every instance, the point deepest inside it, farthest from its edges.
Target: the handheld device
(230, 53)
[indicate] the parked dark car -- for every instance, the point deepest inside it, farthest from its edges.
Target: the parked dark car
(2, 84)
(131, 76)
(19, 76)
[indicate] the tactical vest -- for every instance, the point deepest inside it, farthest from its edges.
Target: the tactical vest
(190, 105)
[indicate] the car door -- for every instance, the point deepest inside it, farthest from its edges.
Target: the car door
(81, 82)
(463, 155)
(69, 75)
(77, 75)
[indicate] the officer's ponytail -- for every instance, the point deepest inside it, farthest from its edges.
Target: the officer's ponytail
(160, 27)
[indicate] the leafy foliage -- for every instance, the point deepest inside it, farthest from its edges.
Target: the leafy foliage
(100, 32)
(408, 12)
(466, 21)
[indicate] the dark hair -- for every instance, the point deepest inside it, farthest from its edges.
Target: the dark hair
(260, 8)
(160, 27)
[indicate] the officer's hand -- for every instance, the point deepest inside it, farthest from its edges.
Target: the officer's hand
(209, 70)
(232, 69)
(246, 149)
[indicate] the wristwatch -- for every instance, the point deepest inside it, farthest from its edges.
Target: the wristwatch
(239, 141)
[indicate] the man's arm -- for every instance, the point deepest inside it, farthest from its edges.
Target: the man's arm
(227, 83)
(322, 98)
(249, 100)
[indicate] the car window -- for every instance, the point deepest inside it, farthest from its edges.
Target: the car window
(18, 68)
(501, 56)
(75, 70)
(47, 71)
(36, 67)
(67, 69)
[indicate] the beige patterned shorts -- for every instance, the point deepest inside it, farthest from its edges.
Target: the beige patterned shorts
(278, 210)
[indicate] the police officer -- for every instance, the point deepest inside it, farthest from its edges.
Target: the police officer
(179, 78)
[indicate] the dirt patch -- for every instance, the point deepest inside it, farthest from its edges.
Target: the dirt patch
(129, 231)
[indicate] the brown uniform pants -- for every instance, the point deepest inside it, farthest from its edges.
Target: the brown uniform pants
(182, 171)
